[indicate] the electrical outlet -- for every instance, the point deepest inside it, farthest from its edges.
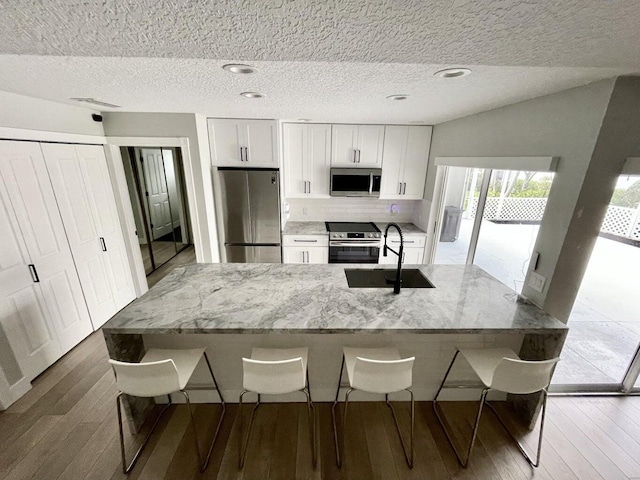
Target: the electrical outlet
(304, 211)
(394, 209)
(537, 281)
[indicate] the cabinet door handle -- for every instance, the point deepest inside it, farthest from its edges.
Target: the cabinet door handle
(34, 273)
(305, 241)
(355, 155)
(358, 155)
(241, 154)
(246, 154)
(404, 188)
(309, 189)
(103, 244)
(400, 188)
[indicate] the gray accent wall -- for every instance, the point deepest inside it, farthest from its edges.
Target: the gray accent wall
(592, 129)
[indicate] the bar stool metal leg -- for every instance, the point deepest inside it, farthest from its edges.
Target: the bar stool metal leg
(333, 416)
(408, 455)
(193, 425)
(535, 463)
(244, 444)
(224, 408)
(126, 468)
(311, 413)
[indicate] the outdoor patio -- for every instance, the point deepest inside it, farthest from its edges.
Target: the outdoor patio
(604, 324)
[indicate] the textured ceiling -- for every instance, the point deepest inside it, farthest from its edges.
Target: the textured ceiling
(321, 91)
(579, 33)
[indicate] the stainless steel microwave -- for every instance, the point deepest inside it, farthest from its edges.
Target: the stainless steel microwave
(355, 182)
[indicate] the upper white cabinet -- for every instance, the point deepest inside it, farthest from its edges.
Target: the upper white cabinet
(307, 160)
(82, 186)
(42, 308)
(405, 158)
(243, 143)
(357, 145)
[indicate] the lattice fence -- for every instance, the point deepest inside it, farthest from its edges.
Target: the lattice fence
(620, 221)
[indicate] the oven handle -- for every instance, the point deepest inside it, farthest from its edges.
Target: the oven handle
(354, 244)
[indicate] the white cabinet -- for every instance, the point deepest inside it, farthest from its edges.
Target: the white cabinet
(42, 308)
(413, 252)
(357, 145)
(305, 249)
(82, 186)
(405, 158)
(307, 160)
(243, 143)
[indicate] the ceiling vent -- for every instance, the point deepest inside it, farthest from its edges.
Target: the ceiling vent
(93, 101)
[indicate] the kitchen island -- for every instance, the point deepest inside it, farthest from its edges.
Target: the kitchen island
(231, 308)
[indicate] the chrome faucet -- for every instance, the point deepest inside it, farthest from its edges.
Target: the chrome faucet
(398, 281)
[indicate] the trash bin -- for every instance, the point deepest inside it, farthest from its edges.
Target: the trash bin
(450, 224)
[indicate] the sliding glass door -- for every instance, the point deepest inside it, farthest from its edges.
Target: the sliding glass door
(601, 350)
(495, 215)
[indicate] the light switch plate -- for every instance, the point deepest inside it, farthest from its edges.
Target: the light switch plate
(537, 281)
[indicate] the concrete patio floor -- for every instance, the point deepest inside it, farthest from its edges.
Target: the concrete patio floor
(605, 321)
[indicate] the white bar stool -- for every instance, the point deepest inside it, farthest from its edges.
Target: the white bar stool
(375, 370)
(276, 371)
(161, 372)
(500, 369)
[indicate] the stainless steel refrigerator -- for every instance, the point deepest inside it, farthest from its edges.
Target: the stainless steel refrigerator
(251, 211)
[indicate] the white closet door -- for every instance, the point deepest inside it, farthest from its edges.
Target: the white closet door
(105, 214)
(75, 207)
(157, 193)
(29, 191)
(33, 345)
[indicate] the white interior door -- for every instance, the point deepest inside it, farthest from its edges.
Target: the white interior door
(105, 214)
(30, 193)
(156, 193)
(72, 194)
(33, 345)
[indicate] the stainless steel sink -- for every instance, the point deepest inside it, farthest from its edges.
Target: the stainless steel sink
(383, 278)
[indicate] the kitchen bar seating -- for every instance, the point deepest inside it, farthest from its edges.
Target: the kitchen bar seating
(276, 371)
(162, 372)
(375, 370)
(500, 369)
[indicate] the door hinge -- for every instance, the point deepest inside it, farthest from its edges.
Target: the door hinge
(146, 193)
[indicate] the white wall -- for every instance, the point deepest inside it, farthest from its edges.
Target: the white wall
(18, 111)
(179, 125)
(565, 124)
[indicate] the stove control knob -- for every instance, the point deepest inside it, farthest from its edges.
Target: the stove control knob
(342, 235)
(370, 235)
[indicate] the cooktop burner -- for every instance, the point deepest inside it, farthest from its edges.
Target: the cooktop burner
(364, 227)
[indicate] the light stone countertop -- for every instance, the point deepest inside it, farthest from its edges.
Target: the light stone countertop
(287, 298)
(305, 228)
(319, 228)
(407, 229)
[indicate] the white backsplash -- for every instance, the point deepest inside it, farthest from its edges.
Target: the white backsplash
(351, 209)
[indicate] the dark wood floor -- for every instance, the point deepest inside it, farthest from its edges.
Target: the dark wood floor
(65, 428)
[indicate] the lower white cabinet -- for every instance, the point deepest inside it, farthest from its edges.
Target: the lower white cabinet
(305, 249)
(413, 252)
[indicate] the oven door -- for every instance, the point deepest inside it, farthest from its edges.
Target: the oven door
(354, 252)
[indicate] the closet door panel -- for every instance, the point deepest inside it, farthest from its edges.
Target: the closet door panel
(105, 215)
(24, 319)
(76, 210)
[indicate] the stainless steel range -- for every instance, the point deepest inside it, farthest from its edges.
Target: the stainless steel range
(353, 242)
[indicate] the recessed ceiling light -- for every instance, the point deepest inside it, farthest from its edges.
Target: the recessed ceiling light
(398, 97)
(93, 101)
(252, 95)
(452, 72)
(239, 68)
